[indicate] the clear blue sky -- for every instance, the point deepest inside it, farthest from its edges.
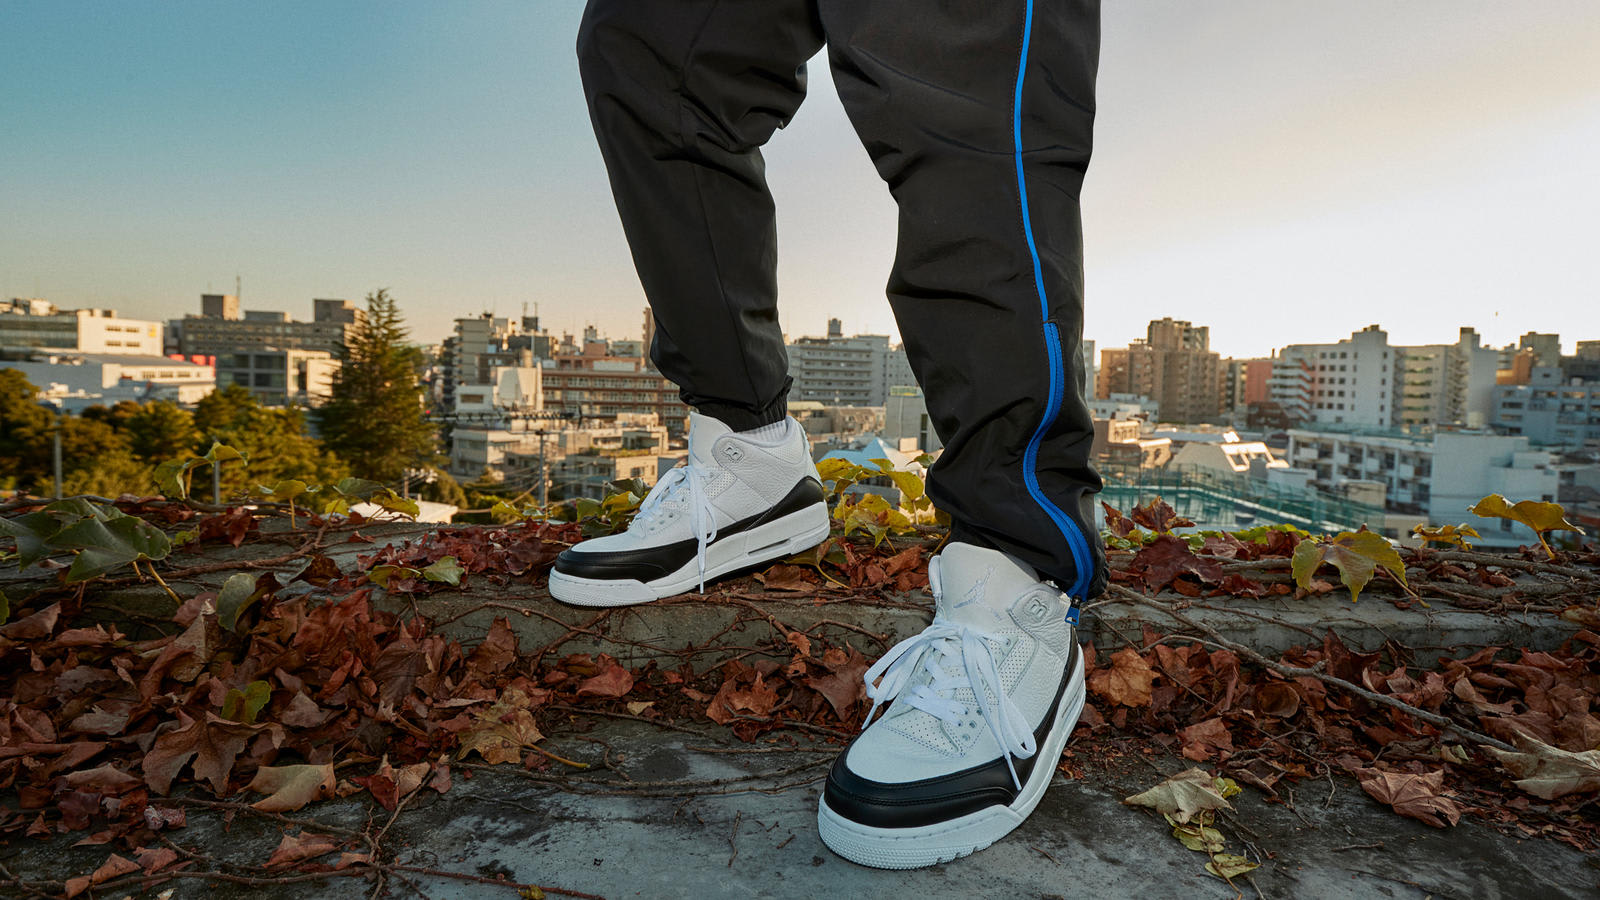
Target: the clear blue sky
(1283, 172)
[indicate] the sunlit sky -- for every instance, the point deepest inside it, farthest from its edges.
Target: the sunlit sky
(1282, 171)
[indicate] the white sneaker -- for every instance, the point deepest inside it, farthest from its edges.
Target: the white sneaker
(980, 706)
(736, 503)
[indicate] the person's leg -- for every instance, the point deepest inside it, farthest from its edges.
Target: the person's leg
(985, 152)
(682, 94)
(979, 115)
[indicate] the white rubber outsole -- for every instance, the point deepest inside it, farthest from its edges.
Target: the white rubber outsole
(928, 845)
(787, 536)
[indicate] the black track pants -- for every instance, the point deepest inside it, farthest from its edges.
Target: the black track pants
(979, 116)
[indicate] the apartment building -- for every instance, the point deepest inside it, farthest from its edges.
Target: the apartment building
(33, 322)
(1551, 410)
(847, 371)
(1173, 365)
(607, 386)
(1436, 477)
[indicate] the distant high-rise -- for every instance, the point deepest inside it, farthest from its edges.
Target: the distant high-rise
(1174, 366)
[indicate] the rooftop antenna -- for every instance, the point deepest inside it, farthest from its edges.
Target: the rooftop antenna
(238, 286)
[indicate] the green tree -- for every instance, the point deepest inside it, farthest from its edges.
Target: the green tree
(117, 416)
(274, 441)
(373, 420)
(110, 475)
(24, 430)
(161, 431)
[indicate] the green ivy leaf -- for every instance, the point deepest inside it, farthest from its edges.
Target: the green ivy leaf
(445, 570)
(1356, 554)
(169, 478)
(240, 591)
(104, 545)
(1542, 517)
(284, 491)
(243, 706)
(221, 453)
(381, 575)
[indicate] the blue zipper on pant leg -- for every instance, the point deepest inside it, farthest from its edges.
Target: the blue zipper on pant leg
(1081, 557)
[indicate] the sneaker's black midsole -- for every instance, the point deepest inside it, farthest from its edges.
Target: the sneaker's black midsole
(659, 562)
(915, 804)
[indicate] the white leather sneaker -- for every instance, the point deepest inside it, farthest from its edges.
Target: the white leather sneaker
(980, 706)
(735, 503)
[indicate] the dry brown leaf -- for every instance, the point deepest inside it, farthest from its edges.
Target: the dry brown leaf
(1550, 772)
(501, 732)
(114, 867)
(1186, 794)
(1126, 681)
(1414, 796)
(300, 847)
(291, 787)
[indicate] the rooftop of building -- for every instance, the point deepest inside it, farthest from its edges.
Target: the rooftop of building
(66, 356)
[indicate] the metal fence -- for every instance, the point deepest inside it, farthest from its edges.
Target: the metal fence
(1216, 500)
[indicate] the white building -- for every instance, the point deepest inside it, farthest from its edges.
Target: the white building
(1550, 411)
(1234, 457)
(515, 388)
(1365, 382)
(847, 371)
(905, 417)
(1436, 477)
(1125, 406)
(33, 322)
(75, 381)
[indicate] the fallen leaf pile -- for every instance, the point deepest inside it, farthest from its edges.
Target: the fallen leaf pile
(1268, 731)
(260, 692)
(283, 694)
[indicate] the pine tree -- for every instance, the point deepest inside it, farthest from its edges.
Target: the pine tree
(373, 420)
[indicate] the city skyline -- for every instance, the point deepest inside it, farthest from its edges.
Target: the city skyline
(1283, 175)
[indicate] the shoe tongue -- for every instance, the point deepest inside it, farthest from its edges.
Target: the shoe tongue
(976, 586)
(703, 433)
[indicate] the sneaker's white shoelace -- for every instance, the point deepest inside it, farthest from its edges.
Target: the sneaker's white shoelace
(703, 516)
(929, 652)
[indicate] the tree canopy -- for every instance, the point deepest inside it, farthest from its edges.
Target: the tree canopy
(374, 418)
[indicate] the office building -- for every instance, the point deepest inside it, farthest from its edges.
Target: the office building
(221, 329)
(280, 377)
(32, 322)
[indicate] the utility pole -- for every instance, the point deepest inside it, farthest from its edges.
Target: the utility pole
(56, 455)
(544, 477)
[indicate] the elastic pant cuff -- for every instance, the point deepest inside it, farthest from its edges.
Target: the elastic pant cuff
(742, 419)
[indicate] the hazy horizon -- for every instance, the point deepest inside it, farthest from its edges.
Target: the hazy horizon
(1283, 173)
